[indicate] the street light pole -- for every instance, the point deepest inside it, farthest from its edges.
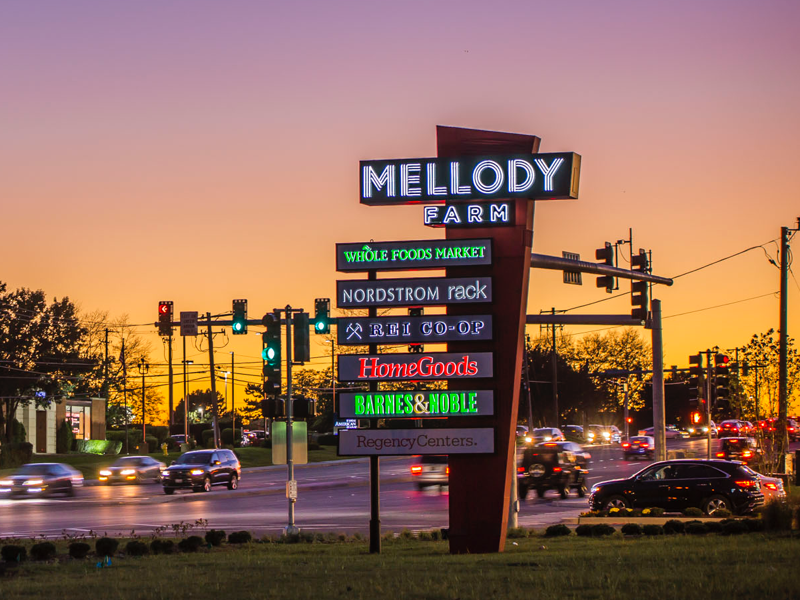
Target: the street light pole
(143, 369)
(233, 401)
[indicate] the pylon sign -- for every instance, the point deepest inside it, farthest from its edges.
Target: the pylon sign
(473, 196)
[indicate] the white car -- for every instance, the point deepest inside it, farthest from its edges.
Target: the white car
(670, 432)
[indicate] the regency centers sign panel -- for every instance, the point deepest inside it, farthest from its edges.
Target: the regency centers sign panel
(388, 442)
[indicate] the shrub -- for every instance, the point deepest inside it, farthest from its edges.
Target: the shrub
(327, 439)
(208, 438)
(43, 551)
(753, 524)
(79, 550)
(696, 528)
(713, 526)
(266, 443)
(190, 544)
(12, 553)
(602, 529)
(584, 530)
(653, 530)
(239, 537)
(162, 546)
(777, 515)
(64, 437)
(653, 511)
(515, 533)
(631, 529)
(136, 548)
(227, 436)
(733, 527)
(313, 445)
(106, 546)
(406, 535)
(15, 454)
(106, 447)
(692, 511)
(674, 526)
(160, 432)
(425, 536)
(557, 530)
(215, 537)
(18, 432)
(436, 534)
(722, 513)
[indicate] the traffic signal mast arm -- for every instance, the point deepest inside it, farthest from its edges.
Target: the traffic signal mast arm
(557, 263)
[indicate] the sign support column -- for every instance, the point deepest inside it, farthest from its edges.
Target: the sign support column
(374, 464)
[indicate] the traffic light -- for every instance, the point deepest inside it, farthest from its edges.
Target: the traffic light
(721, 379)
(745, 369)
(696, 418)
(239, 321)
(165, 318)
(416, 348)
(640, 289)
(302, 346)
(695, 379)
(271, 353)
(606, 254)
(302, 408)
(272, 408)
(322, 315)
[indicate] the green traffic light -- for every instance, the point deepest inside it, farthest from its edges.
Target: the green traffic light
(320, 325)
(237, 326)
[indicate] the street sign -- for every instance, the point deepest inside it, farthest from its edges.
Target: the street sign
(422, 291)
(572, 277)
(189, 323)
(485, 214)
(413, 367)
(399, 329)
(405, 442)
(416, 404)
(421, 254)
(299, 442)
(291, 489)
(433, 180)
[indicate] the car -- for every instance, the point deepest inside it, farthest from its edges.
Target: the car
(744, 449)
(41, 479)
(551, 466)
(792, 427)
(772, 488)
(574, 433)
(429, 470)
(133, 469)
(546, 434)
(641, 445)
(603, 434)
(675, 485)
(701, 430)
(200, 470)
(671, 432)
(254, 437)
(731, 428)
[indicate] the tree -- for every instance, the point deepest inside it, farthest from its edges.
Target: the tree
(762, 355)
(201, 407)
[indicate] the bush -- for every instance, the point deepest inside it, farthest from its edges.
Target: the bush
(777, 515)
(620, 512)
(733, 527)
(227, 436)
(696, 528)
(753, 524)
(136, 548)
(215, 537)
(653, 530)
(18, 432)
(64, 437)
(43, 551)
(557, 530)
(631, 529)
(79, 550)
(653, 511)
(327, 439)
(12, 553)
(265, 443)
(714, 526)
(674, 526)
(190, 544)
(722, 513)
(584, 530)
(162, 546)
(313, 445)
(160, 432)
(602, 529)
(15, 454)
(240, 537)
(106, 546)
(406, 535)
(107, 447)
(515, 533)
(692, 511)
(208, 438)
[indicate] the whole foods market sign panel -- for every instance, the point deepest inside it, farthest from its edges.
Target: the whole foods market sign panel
(412, 367)
(421, 291)
(401, 329)
(434, 180)
(388, 442)
(416, 404)
(422, 254)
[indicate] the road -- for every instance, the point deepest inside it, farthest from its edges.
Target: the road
(332, 496)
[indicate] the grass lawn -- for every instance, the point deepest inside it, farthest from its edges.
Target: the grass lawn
(685, 567)
(89, 464)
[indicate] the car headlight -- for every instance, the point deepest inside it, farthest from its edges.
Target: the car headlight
(705, 429)
(128, 472)
(196, 472)
(606, 435)
(595, 488)
(547, 438)
(6, 482)
(105, 473)
(33, 482)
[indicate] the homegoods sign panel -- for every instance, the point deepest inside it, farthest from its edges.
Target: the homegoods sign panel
(383, 442)
(411, 367)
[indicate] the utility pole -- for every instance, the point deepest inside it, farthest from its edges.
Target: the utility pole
(657, 343)
(555, 373)
(215, 418)
(233, 401)
(625, 411)
(125, 392)
(527, 376)
(185, 399)
(291, 528)
(171, 382)
(783, 331)
(105, 373)
(143, 369)
(708, 403)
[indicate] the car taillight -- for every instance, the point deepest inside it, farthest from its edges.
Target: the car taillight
(416, 469)
(520, 469)
(720, 455)
(556, 469)
(770, 486)
(747, 453)
(626, 445)
(447, 470)
(746, 483)
(644, 445)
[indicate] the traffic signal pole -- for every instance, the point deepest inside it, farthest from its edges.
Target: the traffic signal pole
(215, 423)
(291, 528)
(658, 381)
(708, 403)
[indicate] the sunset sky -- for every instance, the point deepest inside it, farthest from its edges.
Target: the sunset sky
(203, 151)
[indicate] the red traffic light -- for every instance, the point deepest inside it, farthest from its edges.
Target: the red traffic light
(163, 308)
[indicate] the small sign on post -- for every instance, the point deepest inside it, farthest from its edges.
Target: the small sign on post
(573, 277)
(291, 489)
(189, 323)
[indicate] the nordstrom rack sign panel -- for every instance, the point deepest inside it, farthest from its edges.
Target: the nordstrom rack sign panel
(421, 254)
(433, 180)
(421, 291)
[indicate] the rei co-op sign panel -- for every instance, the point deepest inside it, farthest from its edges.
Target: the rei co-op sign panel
(416, 404)
(421, 291)
(402, 329)
(434, 180)
(422, 254)
(412, 367)
(388, 442)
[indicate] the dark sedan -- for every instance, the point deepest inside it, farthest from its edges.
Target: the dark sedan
(201, 469)
(133, 469)
(675, 485)
(41, 479)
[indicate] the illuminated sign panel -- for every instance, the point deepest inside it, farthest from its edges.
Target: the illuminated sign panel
(422, 254)
(421, 291)
(416, 404)
(487, 214)
(434, 180)
(401, 330)
(411, 367)
(388, 442)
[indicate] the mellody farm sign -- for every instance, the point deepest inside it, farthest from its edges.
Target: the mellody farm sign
(421, 254)
(434, 180)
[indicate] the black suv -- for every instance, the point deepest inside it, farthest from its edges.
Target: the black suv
(675, 485)
(553, 466)
(201, 469)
